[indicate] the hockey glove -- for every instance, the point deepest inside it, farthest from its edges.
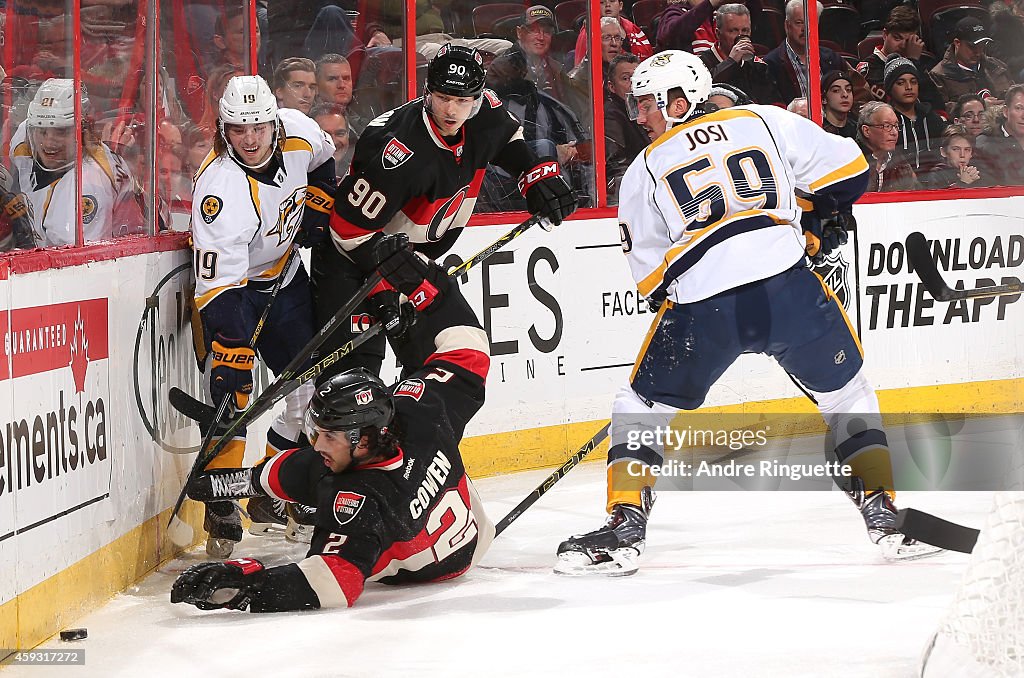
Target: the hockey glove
(233, 361)
(420, 280)
(824, 227)
(316, 217)
(547, 195)
(15, 208)
(389, 310)
(229, 585)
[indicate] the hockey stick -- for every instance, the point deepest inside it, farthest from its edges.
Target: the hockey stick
(935, 531)
(559, 473)
(288, 380)
(921, 259)
(203, 459)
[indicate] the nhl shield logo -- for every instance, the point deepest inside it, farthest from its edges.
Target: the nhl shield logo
(835, 272)
(395, 153)
(364, 396)
(347, 505)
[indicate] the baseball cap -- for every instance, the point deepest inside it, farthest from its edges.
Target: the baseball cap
(539, 13)
(971, 30)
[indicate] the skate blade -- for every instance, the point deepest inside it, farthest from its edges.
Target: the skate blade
(219, 548)
(298, 534)
(266, 529)
(894, 549)
(576, 564)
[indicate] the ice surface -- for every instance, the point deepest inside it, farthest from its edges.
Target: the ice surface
(744, 584)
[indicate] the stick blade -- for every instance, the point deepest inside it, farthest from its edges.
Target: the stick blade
(936, 531)
(192, 408)
(921, 259)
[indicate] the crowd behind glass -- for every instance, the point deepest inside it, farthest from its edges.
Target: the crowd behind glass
(928, 91)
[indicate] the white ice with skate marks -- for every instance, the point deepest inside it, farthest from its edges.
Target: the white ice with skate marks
(731, 584)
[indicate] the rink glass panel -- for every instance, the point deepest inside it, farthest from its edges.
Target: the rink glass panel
(153, 72)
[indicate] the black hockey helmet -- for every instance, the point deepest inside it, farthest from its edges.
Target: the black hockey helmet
(456, 71)
(350, 401)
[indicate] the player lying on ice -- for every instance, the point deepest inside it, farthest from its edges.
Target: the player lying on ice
(728, 268)
(394, 503)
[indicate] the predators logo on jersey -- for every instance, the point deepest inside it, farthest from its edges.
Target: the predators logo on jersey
(88, 208)
(211, 208)
(289, 215)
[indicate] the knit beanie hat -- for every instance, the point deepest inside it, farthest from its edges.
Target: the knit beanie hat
(895, 67)
(830, 78)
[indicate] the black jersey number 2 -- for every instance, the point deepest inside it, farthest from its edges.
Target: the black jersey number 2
(752, 185)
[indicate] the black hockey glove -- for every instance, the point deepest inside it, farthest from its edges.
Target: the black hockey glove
(233, 361)
(395, 316)
(824, 227)
(229, 585)
(15, 208)
(547, 195)
(420, 280)
(316, 217)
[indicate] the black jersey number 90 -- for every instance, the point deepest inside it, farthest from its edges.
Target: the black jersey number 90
(367, 200)
(753, 185)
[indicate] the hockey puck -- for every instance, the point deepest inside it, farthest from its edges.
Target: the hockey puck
(74, 634)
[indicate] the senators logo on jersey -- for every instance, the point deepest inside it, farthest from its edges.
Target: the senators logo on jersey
(395, 153)
(211, 207)
(347, 505)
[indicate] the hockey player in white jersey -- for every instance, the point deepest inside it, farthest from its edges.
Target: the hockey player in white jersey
(711, 227)
(255, 192)
(43, 153)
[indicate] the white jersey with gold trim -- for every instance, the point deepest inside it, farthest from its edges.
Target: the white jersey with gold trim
(710, 205)
(243, 222)
(109, 205)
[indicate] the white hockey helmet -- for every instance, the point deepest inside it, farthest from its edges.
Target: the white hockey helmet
(669, 70)
(54, 104)
(247, 100)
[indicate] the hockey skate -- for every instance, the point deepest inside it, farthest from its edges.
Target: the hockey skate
(301, 520)
(268, 516)
(879, 514)
(613, 549)
(224, 525)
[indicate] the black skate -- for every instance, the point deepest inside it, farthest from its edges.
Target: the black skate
(224, 525)
(614, 549)
(880, 518)
(301, 520)
(268, 516)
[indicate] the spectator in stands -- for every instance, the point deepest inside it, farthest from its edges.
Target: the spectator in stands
(334, 80)
(229, 36)
(623, 138)
(295, 84)
(900, 36)
(955, 170)
(877, 132)
(727, 96)
(331, 119)
(969, 111)
(636, 42)
(1006, 24)
(837, 101)
(965, 69)
(532, 55)
(215, 86)
(310, 29)
(732, 60)
(613, 37)
(788, 61)
(1000, 153)
(920, 126)
(198, 142)
(798, 106)
(688, 25)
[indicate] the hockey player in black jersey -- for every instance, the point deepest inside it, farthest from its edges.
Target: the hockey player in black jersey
(394, 503)
(417, 170)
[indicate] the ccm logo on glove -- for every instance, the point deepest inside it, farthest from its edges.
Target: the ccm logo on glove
(541, 171)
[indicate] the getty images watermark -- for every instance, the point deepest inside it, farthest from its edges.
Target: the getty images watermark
(670, 438)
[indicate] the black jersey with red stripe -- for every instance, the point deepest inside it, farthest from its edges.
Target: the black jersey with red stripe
(406, 177)
(413, 517)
